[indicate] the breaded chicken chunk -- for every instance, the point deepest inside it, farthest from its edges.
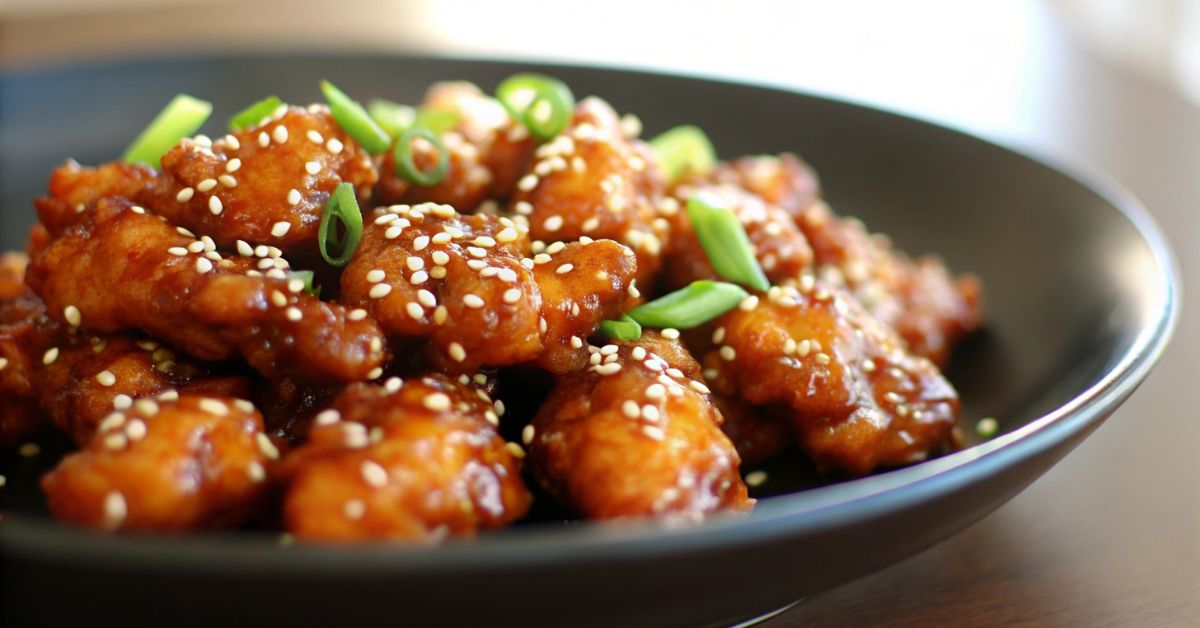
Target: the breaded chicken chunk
(24, 332)
(165, 466)
(636, 434)
(181, 290)
(858, 399)
(413, 460)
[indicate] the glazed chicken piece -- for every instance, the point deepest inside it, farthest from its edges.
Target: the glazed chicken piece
(74, 190)
(636, 435)
(265, 185)
(757, 433)
(858, 399)
(593, 181)
(783, 181)
(179, 289)
(488, 151)
(781, 249)
(24, 329)
(467, 283)
(931, 310)
(166, 466)
(413, 460)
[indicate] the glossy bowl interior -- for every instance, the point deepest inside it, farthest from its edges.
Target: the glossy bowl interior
(1080, 294)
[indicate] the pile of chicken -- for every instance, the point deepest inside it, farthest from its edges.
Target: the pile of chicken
(156, 321)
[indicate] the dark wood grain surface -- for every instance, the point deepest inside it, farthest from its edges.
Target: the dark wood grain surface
(1110, 536)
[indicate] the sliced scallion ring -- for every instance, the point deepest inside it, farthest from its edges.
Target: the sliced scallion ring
(354, 120)
(699, 302)
(624, 328)
(337, 247)
(542, 103)
(181, 117)
(252, 115)
(408, 170)
(392, 117)
(682, 150)
(725, 241)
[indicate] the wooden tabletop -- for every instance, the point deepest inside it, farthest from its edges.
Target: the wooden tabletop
(1111, 536)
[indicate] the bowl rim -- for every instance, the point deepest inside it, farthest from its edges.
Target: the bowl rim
(779, 516)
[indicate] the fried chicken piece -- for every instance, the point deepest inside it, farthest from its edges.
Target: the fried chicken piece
(75, 189)
(931, 310)
(858, 399)
(780, 247)
(488, 151)
(411, 460)
(593, 181)
(182, 291)
(636, 435)
(467, 284)
(23, 329)
(756, 433)
(265, 185)
(166, 466)
(784, 181)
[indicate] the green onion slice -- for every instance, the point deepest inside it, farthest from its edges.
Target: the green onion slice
(684, 149)
(354, 120)
(254, 114)
(181, 117)
(725, 241)
(542, 103)
(700, 302)
(436, 119)
(624, 328)
(337, 247)
(407, 170)
(307, 277)
(392, 117)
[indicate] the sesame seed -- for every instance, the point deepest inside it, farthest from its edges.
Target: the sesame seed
(374, 474)
(553, 223)
(803, 347)
(457, 352)
(115, 509)
(822, 358)
(987, 427)
(475, 251)
(72, 315)
(436, 401)
(115, 441)
(264, 140)
(507, 234)
(385, 219)
(650, 413)
(266, 446)
(228, 180)
(393, 384)
(670, 333)
(280, 134)
(356, 314)
(638, 353)
(420, 242)
(106, 378)
(607, 369)
(293, 197)
(50, 356)
(376, 275)
(527, 183)
(441, 238)
(280, 229)
(512, 295)
(327, 417)
(440, 258)
(756, 478)
(214, 206)
(653, 432)
(169, 395)
(656, 391)
(473, 301)
(699, 387)
(256, 472)
(379, 290)
(748, 303)
(354, 509)
(393, 232)
(206, 185)
(418, 278)
(315, 137)
(375, 373)
(440, 315)
(29, 450)
(185, 195)
(528, 433)
(334, 145)
(203, 265)
(868, 365)
(294, 314)
(414, 263)
(564, 269)
(633, 291)
(136, 429)
(515, 450)
(631, 409)
(728, 353)
(234, 165)
(312, 167)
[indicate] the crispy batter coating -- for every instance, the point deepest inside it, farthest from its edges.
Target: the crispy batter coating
(24, 329)
(468, 284)
(75, 189)
(781, 249)
(593, 181)
(756, 433)
(636, 435)
(271, 181)
(931, 310)
(166, 466)
(411, 460)
(179, 289)
(784, 181)
(859, 400)
(488, 152)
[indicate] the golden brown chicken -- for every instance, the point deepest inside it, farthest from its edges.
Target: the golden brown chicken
(858, 399)
(166, 464)
(180, 289)
(636, 434)
(412, 460)
(24, 331)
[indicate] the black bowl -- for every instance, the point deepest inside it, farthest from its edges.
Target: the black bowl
(1081, 300)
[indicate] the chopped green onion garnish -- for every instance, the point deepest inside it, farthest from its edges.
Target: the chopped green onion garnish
(987, 427)
(624, 328)
(252, 115)
(725, 241)
(542, 103)
(354, 120)
(337, 247)
(181, 117)
(436, 119)
(307, 277)
(407, 170)
(392, 117)
(684, 149)
(698, 303)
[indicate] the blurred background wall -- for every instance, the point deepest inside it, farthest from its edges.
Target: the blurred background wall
(980, 64)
